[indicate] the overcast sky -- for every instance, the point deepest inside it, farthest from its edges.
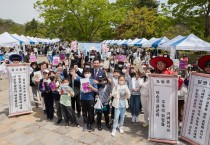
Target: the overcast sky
(22, 11)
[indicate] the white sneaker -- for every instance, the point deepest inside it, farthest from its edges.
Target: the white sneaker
(137, 119)
(113, 132)
(121, 130)
(133, 119)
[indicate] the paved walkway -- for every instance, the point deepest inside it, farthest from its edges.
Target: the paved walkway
(34, 129)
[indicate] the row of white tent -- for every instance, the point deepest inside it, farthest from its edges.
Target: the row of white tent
(190, 42)
(12, 40)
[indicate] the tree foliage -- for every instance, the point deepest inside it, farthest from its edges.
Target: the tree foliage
(76, 19)
(194, 14)
(11, 27)
(139, 23)
(36, 29)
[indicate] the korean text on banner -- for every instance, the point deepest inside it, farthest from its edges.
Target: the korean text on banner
(19, 99)
(163, 124)
(196, 126)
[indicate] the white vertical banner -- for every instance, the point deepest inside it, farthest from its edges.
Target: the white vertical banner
(196, 126)
(163, 122)
(19, 84)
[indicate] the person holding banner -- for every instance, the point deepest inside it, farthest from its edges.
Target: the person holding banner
(34, 79)
(204, 63)
(15, 58)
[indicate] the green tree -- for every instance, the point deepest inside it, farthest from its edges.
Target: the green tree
(130, 4)
(36, 29)
(11, 27)
(76, 19)
(139, 23)
(146, 3)
(194, 14)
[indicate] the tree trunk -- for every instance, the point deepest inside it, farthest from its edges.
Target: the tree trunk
(207, 22)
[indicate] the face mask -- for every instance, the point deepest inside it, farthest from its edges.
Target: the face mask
(120, 66)
(87, 75)
(92, 56)
(87, 66)
(147, 74)
(121, 82)
(124, 70)
(103, 85)
(112, 62)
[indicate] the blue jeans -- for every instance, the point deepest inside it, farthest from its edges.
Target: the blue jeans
(119, 112)
(135, 105)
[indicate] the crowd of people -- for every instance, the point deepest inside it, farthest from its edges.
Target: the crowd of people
(116, 85)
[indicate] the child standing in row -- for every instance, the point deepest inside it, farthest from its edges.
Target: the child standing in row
(87, 99)
(46, 93)
(54, 85)
(65, 102)
(104, 95)
(121, 93)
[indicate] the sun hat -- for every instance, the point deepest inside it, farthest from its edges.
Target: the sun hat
(168, 61)
(202, 61)
(15, 57)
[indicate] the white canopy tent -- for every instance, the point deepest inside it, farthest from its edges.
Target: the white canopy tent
(161, 41)
(126, 42)
(32, 39)
(8, 41)
(25, 41)
(121, 42)
(191, 42)
(55, 40)
(133, 42)
(150, 42)
(167, 45)
(141, 42)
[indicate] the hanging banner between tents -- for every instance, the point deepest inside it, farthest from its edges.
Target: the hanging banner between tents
(196, 126)
(19, 99)
(163, 125)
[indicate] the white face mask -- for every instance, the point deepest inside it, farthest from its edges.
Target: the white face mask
(120, 66)
(147, 74)
(124, 70)
(101, 64)
(87, 75)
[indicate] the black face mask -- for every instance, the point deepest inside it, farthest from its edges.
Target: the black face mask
(132, 74)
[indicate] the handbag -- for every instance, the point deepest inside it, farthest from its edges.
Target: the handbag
(98, 104)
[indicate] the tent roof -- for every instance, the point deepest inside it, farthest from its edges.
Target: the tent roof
(7, 40)
(191, 42)
(21, 39)
(141, 42)
(33, 39)
(168, 44)
(133, 42)
(121, 42)
(27, 39)
(150, 42)
(126, 43)
(160, 41)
